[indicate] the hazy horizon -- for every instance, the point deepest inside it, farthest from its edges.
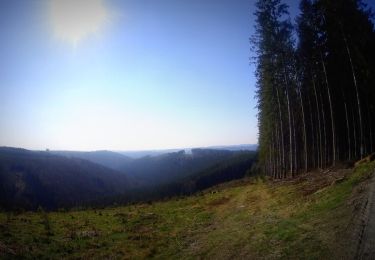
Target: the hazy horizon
(142, 150)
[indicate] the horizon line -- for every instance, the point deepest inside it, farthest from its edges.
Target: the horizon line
(131, 150)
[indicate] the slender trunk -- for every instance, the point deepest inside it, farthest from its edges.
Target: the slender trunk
(371, 144)
(290, 133)
(295, 144)
(324, 162)
(370, 129)
(320, 156)
(357, 93)
(304, 128)
(282, 130)
(355, 136)
(312, 134)
(272, 157)
(348, 131)
(331, 111)
(278, 153)
(269, 164)
(289, 117)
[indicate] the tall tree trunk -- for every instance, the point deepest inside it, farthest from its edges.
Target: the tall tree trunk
(320, 154)
(278, 155)
(348, 131)
(290, 133)
(371, 140)
(282, 130)
(325, 153)
(269, 163)
(331, 111)
(357, 93)
(295, 144)
(272, 157)
(369, 122)
(290, 123)
(289, 116)
(304, 127)
(355, 136)
(312, 134)
(370, 131)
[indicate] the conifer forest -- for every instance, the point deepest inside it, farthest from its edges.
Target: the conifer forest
(315, 85)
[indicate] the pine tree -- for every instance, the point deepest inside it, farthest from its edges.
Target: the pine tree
(275, 85)
(315, 100)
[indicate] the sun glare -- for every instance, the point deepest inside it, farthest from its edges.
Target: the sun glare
(74, 20)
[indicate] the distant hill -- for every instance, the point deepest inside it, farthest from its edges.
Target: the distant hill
(170, 167)
(29, 179)
(108, 159)
(227, 169)
(69, 178)
(159, 168)
(240, 147)
(143, 153)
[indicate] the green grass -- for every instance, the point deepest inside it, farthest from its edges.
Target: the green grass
(249, 218)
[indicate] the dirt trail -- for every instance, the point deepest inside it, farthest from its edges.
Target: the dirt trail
(366, 246)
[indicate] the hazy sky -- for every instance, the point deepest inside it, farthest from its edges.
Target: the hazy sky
(120, 75)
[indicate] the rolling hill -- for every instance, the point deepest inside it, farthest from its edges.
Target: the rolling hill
(108, 159)
(65, 179)
(161, 169)
(29, 179)
(171, 167)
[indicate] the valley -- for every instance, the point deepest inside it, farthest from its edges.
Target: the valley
(62, 180)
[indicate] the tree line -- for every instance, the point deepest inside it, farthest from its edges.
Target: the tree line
(315, 84)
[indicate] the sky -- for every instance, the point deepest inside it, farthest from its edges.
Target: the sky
(126, 75)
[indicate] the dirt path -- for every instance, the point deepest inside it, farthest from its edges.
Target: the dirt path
(366, 246)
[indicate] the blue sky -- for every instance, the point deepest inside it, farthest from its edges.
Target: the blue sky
(126, 75)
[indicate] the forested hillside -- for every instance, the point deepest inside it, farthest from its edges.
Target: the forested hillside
(316, 84)
(235, 167)
(108, 159)
(171, 167)
(29, 179)
(159, 169)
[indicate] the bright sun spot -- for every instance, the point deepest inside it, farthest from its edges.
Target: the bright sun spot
(74, 20)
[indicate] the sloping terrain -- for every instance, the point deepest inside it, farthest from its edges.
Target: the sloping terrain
(161, 169)
(312, 217)
(112, 160)
(171, 167)
(30, 179)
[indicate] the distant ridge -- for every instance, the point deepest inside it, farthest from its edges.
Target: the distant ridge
(156, 152)
(29, 179)
(59, 179)
(106, 158)
(239, 147)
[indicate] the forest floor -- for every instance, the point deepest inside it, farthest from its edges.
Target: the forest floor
(318, 215)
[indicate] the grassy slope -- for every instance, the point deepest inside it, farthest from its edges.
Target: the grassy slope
(303, 218)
